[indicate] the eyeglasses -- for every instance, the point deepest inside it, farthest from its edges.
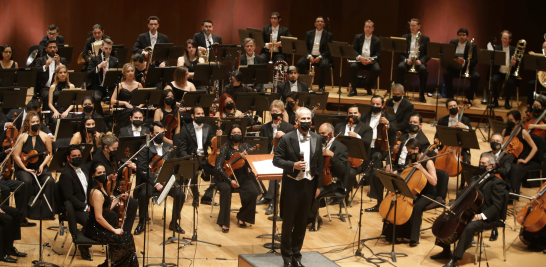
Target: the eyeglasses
(8, 52)
(274, 18)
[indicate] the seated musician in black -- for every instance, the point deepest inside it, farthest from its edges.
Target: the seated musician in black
(536, 109)
(338, 154)
(137, 127)
(251, 58)
(455, 120)
(412, 228)
(493, 191)
(274, 129)
(146, 176)
(292, 85)
(243, 179)
(167, 106)
(140, 69)
(292, 104)
(10, 230)
(32, 105)
(236, 85)
(403, 108)
(89, 110)
(7, 186)
(52, 33)
(87, 134)
(96, 72)
(536, 239)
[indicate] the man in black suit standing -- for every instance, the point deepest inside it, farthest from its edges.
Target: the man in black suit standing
(277, 31)
(299, 154)
(136, 128)
(150, 38)
(499, 72)
(205, 38)
(463, 47)
(318, 52)
(402, 107)
(454, 120)
(96, 71)
(407, 60)
(292, 85)
(46, 69)
(98, 35)
(51, 34)
(251, 58)
(368, 49)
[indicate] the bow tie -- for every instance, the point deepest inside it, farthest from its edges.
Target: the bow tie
(304, 138)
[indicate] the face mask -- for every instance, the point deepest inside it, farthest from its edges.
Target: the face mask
(35, 127)
(305, 126)
(229, 106)
(169, 101)
(91, 130)
(453, 111)
(137, 123)
(413, 128)
(483, 168)
(396, 98)
(77, 161)
(324, 139)
(88, 109)
(290, 105)
(159, 139)
(376, 109)
(495, 145)
(113, 153)
(510, 125)
(236, 138)
(199, 120)
(101, 179)
(276, 116)
(537, 110)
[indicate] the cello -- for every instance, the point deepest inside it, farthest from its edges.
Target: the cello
(450, 164)
(216, 144)
(537, 121)
(532, 217)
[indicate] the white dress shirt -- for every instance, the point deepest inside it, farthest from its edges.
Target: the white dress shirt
(316, 43)
(396, 104)
(305, 147)
(159, 149)
(404, 152)
(51, 71)
(293, 86)
(374, 121)
(153, 38)
(136, 131)
(83, 181)
(460, 49)
(504, 68)
(453, 120)
(348, 129)
(365, 47)
(199, 137)
(274, 126)
(250, 59)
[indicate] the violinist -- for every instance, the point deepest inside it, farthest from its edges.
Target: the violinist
(140, 64)
(167, 106)
(412, 228)
(492, 191)
(415, 132)
(454, 120)
(8, 185)
(136, 128)
(274, 130)
(243, 179)
(403, 108)
(87, 134)
(292, 104)
(338, 154)
(145, 157)
(236, 85)
(531, 121)
(227, 108)
(32, 106)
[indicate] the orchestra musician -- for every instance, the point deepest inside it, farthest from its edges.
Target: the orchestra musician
(492, 191)
(167, 106)
(535, 111)
(403, 108)
(140, 64)
(190, 59)
(52, 33)
(338, 154)
(251, 58)
(60, 82)
(227, 108)
(421, 59)
(150, 38)
(368, 49)
(33, 105)
(454, 120)
(277, 31)
(299, 154)
(463, 47)
(243, 179)
(46, 69)
(292, 85)
(7, 186)
(274, 129)
(98, 34)
(96, 72)
(7, 55)
(499, 72)
(318, 52)
(531, 84)
(87, 134)
(160, 148)
(412, 228)
(205, 38)
(292, 105)
(236, 85)
(88, 109)
(10, 230)
(122, 95)
(136, 128)
(536, 239)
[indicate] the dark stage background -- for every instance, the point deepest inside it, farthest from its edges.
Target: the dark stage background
(25, 22)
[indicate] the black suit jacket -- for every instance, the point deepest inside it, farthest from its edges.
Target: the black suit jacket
(127, 131)
(94, 79)
(284, 89)
(19, 122)
(266, 34)
(496, 68)
(258, 59)
(421, 137)
(403, 113)
(474, 59)
(375, 46)
(367, 117)
(87, 47)
(267, 131)
(199, 38)
(143, 41)
(362, 129)
(187, 139)
(327, 37)
(72, 188)
(505, 165)
(340, 162)
(493, 193)
(144, 158)
(444, 121)
(43, 76)
(422, 49)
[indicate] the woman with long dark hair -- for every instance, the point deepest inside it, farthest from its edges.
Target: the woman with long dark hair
(167, 106)
(190, 59)
(227, 108)
(87, 134)
(6, 51)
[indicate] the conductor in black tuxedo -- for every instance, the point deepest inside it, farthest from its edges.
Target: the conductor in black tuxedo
(96, 71)
(421, 59)
(493, 191)
(46, 69)
(368, 49)
(52, 33)
(499, 72)
(277, 31)
(318, 52)
(299, 154)
(205, 38)
(402, 107)
(455, 120)
(292, 85)
(136, 128)
(463, 47)
(98, 34)
(150, 38)
(251, 58)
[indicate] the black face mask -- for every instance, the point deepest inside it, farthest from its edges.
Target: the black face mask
(35, 127)
(229, 106)
(324, 139)
(276, 116)
(483, 168)
(413, 128)
(101, 179)
(159, 139)
(199, 120)
(88, 109)
(396, 98)
(91, 130)
(537, 111)
(495, 145)
(376, 109)
(305, 126)
(510, 125)
(113, 153)
(236, 138)
(169, 101)
(138, 123)
(290, 105)
(77, 161)
(453, 111)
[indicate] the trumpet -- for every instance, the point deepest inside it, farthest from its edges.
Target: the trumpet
(416, 52)
(470, 50)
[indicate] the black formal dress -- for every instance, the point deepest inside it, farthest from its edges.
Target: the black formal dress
(374, 68)
(403, 113)
(11, 67)
(10, 228)
(451, 72)
(122, 247)
(284, 88)
(422, 70)
(266, 35)
(122, 116)
(58, 88)
(519, 171)
(325, 63)
(500, 77)
(191, 68)
(45, 74)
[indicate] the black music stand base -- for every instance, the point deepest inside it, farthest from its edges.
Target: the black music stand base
(393, 254)
(40, 261)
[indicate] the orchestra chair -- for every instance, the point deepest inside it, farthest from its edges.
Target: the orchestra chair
(235, 190)
(499, 224)
(61, 213)
(340, 197)
(78, 239)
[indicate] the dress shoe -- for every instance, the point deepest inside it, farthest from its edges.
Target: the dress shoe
(352, 93)
(373, 209)
(321, 89)
(287, 264)
(422, 99)
(14, 252)
(494, 235)
(444, 255)
(262, 201)
(269, 209)
(369, 92)
(207, 201)
(452, 263)
(333, 201)
(225, 230)
(84, 250)
(8, 259)
(429, 94)
(318, 225)
(26, 223)
(242, 225)
(297, 263)
(413, 243)
(176, 227)
(507, 105)
(139, 228)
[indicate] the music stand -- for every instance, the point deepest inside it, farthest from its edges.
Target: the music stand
(490, 58)
(69, 126)
(255, 74)
(255, 34)
(78, 78)
(161, 52)
(254, 141)
(121, 53)
(69, 97)
(470, 171)
(27, 77)
(198, 98)
(293, 46)
(130, 145)
(226, 124)
(12, 97)
(175, 52)
(112, 78)
(443, 52)
(394, 44)
(209, 72)
(497, 126)
(255, 101)
(59, 162)
(536, 62)
(341, 50)
(146, 96)
(227, 53)
(66, 52)
(160, 75)
(8, 77)
(40, 196)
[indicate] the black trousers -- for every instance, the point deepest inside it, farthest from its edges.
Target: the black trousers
(99, 92)
(450, 73)
(8, 186)
(376, 187)
(30, 189)
(412, 228)
(511, 85)
(374, 70)
(324, 65)
(518, 173)
(269, 194)
(466, 238)
(130, 215)
(248, 194)
(10, 228)
(296, 200)
(176, 193)
(422, 70)
(209, 171)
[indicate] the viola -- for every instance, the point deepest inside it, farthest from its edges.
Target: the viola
(124, 186)
(157, 160)
(216, 144)
(532, 217)
(32, 156)
(354, 161)
(171, 121)
(236, 162)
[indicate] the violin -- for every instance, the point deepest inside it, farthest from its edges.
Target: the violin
(326, 172)
(110, 183)
(171, 121)
(124, 186)
(32, 156)
(354, 161)
(532, 217)
(382, 140)
(236, 162)
(216, 144)
(157, 160)
(397, 148)
(538, 121)
(11, 138)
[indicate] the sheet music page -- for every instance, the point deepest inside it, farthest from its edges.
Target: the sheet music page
(266, 167)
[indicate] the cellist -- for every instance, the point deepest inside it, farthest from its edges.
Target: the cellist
(535, 111)
(534, 239)
(493, 191)
(339, 168)
(455, 120)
